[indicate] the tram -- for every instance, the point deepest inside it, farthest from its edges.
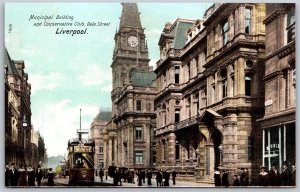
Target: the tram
(81, 162)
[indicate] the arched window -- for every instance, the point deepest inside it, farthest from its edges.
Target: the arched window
(248, 85)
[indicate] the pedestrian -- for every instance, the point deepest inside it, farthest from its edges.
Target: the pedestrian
(39, 175)
(118, 176)
(22, 176)
(149, 176)
(139, 178)
(274, 176)
(217, 177)
(236, 181)
(106, 173)
(101, 174)
(174, 176)
(225, 181)
(143, 175)
(7, 174)
(50, 176)
(159, 178)
(13, 175)
(263, 179)
(31, 176)
(166, 176)
(286, 175)
(293, 173)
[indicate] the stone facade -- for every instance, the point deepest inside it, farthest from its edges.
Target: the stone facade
(211, 92)
(279, 121)
(17, 111)
(133, 93)
(97, 130)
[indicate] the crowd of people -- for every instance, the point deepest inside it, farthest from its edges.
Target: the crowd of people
(265, 178)
(27, 176)
(162, 177)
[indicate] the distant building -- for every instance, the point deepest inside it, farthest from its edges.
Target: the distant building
(17, 113)
(279, 122)
(97, 134)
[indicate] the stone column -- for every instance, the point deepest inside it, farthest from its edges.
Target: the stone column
(210, 159)
(109, 151)
(130, 149)
(171, 149)
(241, 76)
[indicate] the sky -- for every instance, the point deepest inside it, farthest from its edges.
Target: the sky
(72, 72)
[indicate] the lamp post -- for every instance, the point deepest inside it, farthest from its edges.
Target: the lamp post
(24, 126)
(221, 152)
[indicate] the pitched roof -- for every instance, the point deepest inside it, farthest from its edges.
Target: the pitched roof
(130, 16)
(11, 68)
(143, 79)
(104, 116)
(180, 34)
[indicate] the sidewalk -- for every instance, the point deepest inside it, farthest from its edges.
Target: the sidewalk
(179, 183)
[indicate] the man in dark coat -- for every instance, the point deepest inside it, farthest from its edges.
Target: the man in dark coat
(225, 181)
(217, 177)
(274, 177)
(159, 178)
(166, 176)
(13, 175)
(174, 177)
(286, 175)
(149, 177)
(244, 178)
(101, 174)
(7, 172)
(143, 175)
(293, 173)
(39, 175)
(236, 181)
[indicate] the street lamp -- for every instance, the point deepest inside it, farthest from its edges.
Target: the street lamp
(24, 126)
(221, 152)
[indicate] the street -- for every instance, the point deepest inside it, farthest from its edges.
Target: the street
(63, 182)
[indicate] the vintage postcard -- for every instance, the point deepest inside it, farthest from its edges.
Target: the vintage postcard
(198, 94)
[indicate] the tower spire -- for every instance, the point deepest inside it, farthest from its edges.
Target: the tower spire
(130, 16)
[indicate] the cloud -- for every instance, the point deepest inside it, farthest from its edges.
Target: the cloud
(60, 123)
(107, 88)
(43, 81)
(93, 75)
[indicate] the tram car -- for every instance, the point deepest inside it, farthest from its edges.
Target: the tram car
(81, 162)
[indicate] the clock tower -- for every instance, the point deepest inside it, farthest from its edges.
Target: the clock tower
(131, 51)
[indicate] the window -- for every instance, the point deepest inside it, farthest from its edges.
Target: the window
(100, 149)
(225, 29)
(153, 156)
(248, 20)
(290, 25)
(138, 105)
(177, 115)
(250, 149)
(177, 70)
(248, 85)
(224, 83)
(177, 151)
(138, 134)
(138, 157)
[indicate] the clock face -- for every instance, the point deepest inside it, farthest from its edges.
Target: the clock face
(132, 41)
